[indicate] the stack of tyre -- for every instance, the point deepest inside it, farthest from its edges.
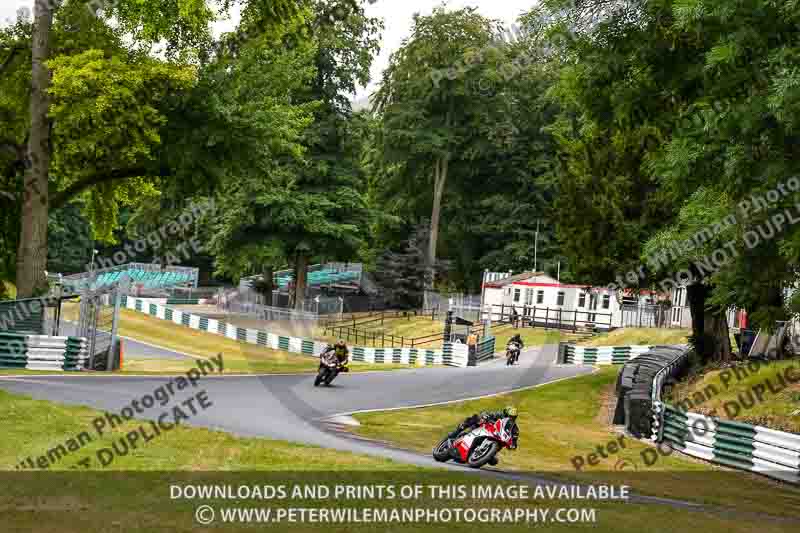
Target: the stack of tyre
(639, 386)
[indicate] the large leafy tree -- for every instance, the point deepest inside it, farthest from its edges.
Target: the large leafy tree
(675, 112)
(623, 82)
(430, 114)
(738, 140)
(312, 203)
(180, 27)
(505, 202)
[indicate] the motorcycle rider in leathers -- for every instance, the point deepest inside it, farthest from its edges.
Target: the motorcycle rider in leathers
(487, 416)
(341, 351)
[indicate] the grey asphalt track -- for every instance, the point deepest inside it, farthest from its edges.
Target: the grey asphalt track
(288, 407)
(133, 349)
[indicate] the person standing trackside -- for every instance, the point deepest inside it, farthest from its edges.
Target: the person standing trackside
(472, 343)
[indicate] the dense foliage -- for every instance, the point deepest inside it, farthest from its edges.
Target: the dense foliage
(593, 139)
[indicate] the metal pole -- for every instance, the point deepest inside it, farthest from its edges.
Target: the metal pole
(536, 248)
(114, 326)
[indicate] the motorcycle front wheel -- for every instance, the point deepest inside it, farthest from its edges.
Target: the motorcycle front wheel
(483, 453)
(442, 451)
(330, 377)
(320, 376)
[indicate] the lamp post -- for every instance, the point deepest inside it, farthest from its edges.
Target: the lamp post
(92, 269)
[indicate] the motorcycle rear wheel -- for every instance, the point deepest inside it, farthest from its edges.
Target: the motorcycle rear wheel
(442, 451)
(483, 454)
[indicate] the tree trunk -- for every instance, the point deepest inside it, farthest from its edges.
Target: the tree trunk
(440, 178)
(300, 276)
(32, 256)
(269, 286)
(710, 334)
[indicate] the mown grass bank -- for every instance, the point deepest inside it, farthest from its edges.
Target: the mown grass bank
(562, 424)
(136, 493)
(639, 337)
(759, 393)
(239, 357)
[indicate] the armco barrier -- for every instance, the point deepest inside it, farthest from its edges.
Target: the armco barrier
(409, 356)
(602, 355)
(484, 351)
(456, 354)
(38, 352)
(758, 449)
(754, 448)
(23, 316)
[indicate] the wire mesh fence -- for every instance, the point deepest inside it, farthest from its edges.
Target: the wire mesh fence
(97, 322)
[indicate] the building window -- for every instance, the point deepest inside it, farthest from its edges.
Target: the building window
(540, 297)
(528, 296)
(606, 301)
(516, 295)
(560, 299)
(582, 299)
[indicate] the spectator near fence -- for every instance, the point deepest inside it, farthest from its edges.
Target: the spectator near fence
(472, 343)
(514, 317)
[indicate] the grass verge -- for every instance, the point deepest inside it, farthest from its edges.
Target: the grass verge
(135, 492)
(568, 420)
(639, 337)
(759, 393)
(378, 333)
(239, 357)
(530, 336)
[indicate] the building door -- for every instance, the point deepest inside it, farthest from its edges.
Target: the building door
(593, 307)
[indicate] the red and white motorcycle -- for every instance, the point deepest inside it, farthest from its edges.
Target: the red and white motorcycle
(479, 446)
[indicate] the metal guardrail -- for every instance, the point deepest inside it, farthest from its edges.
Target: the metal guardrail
(571, 354)
(484, 351)
(23, 316)
(40, 352)
(351, 330)
(392, 355)
(757, 449)
(549, 317)
(741, 446)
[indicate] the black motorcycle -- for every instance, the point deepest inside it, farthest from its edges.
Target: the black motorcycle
(513, 350)
(329, 368)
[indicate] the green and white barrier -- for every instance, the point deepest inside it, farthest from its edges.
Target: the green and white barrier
(456, 354)
(611, 355)
(406, 356)
(734, 444)
(40, 352)
(485, 350)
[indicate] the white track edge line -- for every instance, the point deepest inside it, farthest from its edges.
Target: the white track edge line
(448, 402)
